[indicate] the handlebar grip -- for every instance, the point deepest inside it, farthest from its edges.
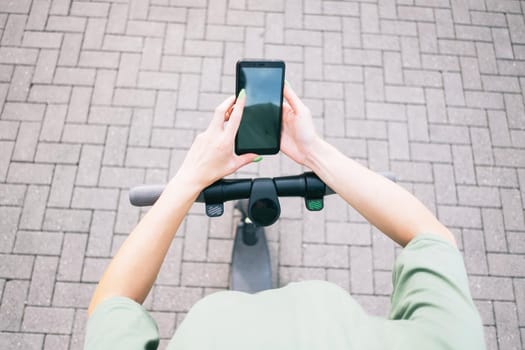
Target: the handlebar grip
(143, 196)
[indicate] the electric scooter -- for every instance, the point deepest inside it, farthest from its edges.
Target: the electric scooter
(258, 203)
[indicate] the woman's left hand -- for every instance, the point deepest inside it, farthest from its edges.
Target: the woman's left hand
(211, 155)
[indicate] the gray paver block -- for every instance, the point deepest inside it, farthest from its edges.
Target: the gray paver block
(175, 298)
(12, 306)
(506, 264)
(19, 341)
(296, 274)
(16, 266)
(507, 323)
(57, 320)
(38, 242)
(8, 220)
(71, 259)
(43, 280)
(205, 274)
(361, 271)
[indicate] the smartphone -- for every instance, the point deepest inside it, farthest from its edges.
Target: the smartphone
(260, 128)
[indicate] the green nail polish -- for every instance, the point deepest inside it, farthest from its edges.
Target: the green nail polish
(288, 83)
(241, 93)
(257, 159)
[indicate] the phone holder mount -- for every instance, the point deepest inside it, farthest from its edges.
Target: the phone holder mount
(263, 204)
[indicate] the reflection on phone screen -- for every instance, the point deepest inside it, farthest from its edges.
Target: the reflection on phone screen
(260, 125)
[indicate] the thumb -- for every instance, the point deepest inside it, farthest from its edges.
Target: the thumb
(247, 158)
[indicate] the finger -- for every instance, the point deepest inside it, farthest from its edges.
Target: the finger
(292, 98)
(244, 159)
(236, 114)
(220, 112)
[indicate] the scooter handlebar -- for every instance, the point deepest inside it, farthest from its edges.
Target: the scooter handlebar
(233, 189)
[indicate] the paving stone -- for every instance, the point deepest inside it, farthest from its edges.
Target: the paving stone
(507, 324)
(67, 220)
(66, 24)
(445, 184)
(79, 104)
(463, 165)
(470, 73)
(16, 266)
(8, 130)
(54, 341)
(12, 307)
(128, 70)
(325, 255)
(94, 268)
(23, 111)
(515, 110)
(74, 76)
(519, 287)
(133, 97)
(110, 116)
(196, 238)
(42, 283)
(474, 252)
(361, 270)
(167, 298)
(20, 83)
(486, 58)
(205, 274)
(94, 198)
(38, 242)
(494, 230)
(506, 264)
(457, 216)
(58, 153)
(478, 196)
(516, 242)
(296, 274)
(512, 209)
(348, 233)
(12, 194)
(57, 320)
(71, 44)
(14, 55)
(94, 37)
(34, 207)
(291, 248)
(49, 93)
(14, 30)
(53, 123)
(383, 250)
(32, 173)
(19, 341)
(412, 171)
(430, 152)
(9, 220)
(98, 59)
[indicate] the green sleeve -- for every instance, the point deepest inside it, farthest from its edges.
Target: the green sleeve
(121, 323)
(431, 292)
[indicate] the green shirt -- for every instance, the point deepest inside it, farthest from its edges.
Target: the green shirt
(431, 309)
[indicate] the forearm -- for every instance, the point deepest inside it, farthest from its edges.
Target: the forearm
(136, 265)
(384, 204)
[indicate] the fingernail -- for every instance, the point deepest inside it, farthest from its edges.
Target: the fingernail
(241, 93)
(257, 159)
(288, 83)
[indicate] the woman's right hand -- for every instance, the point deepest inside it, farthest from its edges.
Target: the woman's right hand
(298, 136)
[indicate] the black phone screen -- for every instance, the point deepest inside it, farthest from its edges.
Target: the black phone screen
(260, 128)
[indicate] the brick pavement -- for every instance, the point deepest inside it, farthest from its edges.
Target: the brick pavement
(96, 96)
